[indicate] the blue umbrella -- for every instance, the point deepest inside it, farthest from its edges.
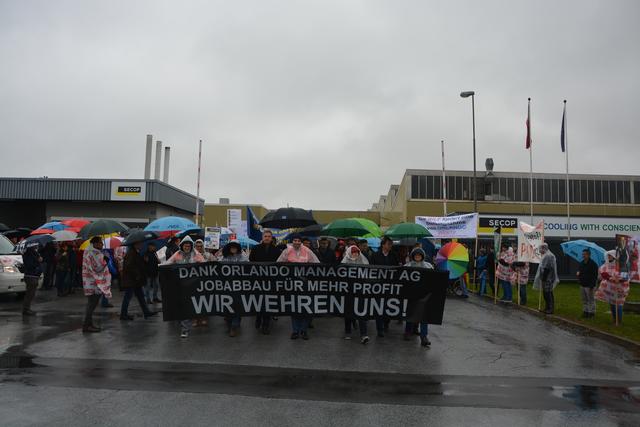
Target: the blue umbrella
(374, 242)
(54, 225)
(170, 224)
(38, 241)
(247, 242)
(574, 249)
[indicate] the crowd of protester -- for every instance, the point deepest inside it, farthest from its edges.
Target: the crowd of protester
(135, 272)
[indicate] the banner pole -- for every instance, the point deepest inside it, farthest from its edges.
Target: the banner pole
(518, 282)
(444, 182)
(530, 161)
(475, 266)
(566, 148)
(540, 297)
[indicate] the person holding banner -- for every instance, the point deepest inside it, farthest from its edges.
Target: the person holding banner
(354, 256)
(185, 255)
(417, 257)
(384, 256)
(614, 286)
(505, 272)
(208, 256)
(547, 277)
(232, 252)
(266, 251)
(300, 254)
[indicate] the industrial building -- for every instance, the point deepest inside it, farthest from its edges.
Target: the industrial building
(30, 202)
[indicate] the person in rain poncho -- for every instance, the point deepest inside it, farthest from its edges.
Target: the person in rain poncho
(505, 272)
(547, 277)
(614, 286)
(96, 280)
(208, 256)
(185, 255)
(232, 252)
(353, 256)
(301, 254)
(417, 259)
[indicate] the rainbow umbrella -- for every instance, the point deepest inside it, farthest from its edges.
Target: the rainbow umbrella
(111, 241)
(454, 258)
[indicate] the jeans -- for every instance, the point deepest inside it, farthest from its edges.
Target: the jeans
(549, 301)
(588, 299)
(263, 320)
(506, 290)
(299, 323)
(463, 285)
(483, 283)
(523, 294)
(104, 301)
(424, 328)
(185, 325)
(92, 303)
(233, 321)
(613, 312)
(362, 326)
(61, 277)
(152, 288)
(32, 285)
(49, 269)
(128, 294)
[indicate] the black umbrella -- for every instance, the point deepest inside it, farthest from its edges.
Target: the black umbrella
(100, 227)
(288, 218)
(139, 236)
(38, 241)
(3, 228)
(18, 232)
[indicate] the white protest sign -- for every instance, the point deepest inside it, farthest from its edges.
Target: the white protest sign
(234, 220)
(212, 237)
(451, 227)
(530, 238)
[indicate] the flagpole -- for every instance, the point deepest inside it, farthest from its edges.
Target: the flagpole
(566, 152)
(198, 184)
(444, 182)
(530, 161)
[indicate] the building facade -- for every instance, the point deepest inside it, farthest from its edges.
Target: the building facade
(30, 202)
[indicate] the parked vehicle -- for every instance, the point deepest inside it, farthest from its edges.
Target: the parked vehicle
(11, 278)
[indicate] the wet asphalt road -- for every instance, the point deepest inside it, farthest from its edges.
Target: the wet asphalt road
(487, 365)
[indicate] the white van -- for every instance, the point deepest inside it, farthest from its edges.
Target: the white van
(11, 279)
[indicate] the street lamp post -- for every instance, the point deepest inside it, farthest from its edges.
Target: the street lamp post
(473, 120)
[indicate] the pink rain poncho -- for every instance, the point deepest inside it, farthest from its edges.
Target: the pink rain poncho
(96, 278)
(614, 287)
(505, 271)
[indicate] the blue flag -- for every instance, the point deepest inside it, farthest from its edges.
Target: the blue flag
(564, 111)
(254, 231)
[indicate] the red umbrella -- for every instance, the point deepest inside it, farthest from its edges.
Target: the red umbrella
(75, 224)
(42, 231)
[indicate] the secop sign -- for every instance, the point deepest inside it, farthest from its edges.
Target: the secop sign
(556, 226)
(132, 191)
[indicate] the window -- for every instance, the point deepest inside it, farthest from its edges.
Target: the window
(548, 194)
(606, 192)
(598, 191)
(451, 188)
(517, 190)
(466, 186)
(526, 185)
(562, 190)
(626, 192)
(437, 187)
(591, 191)
(414, 186)
(636, 192)
(458, 193)
(584, 191)
(619, 192)
(430, 187)
(539, 195)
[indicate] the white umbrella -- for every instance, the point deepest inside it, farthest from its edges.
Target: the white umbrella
(64, 236)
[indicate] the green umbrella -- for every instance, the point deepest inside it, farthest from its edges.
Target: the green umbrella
(352, 227)
(407, 230)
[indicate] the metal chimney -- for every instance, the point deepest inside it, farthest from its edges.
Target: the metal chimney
(167, 156)
(147, 157)
(158, 160)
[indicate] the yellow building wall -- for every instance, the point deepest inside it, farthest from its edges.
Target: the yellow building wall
(216, 214)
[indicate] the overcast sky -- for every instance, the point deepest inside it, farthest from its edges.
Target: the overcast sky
(319, 104)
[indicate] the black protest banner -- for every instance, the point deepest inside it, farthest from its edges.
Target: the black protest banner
(358, 291)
